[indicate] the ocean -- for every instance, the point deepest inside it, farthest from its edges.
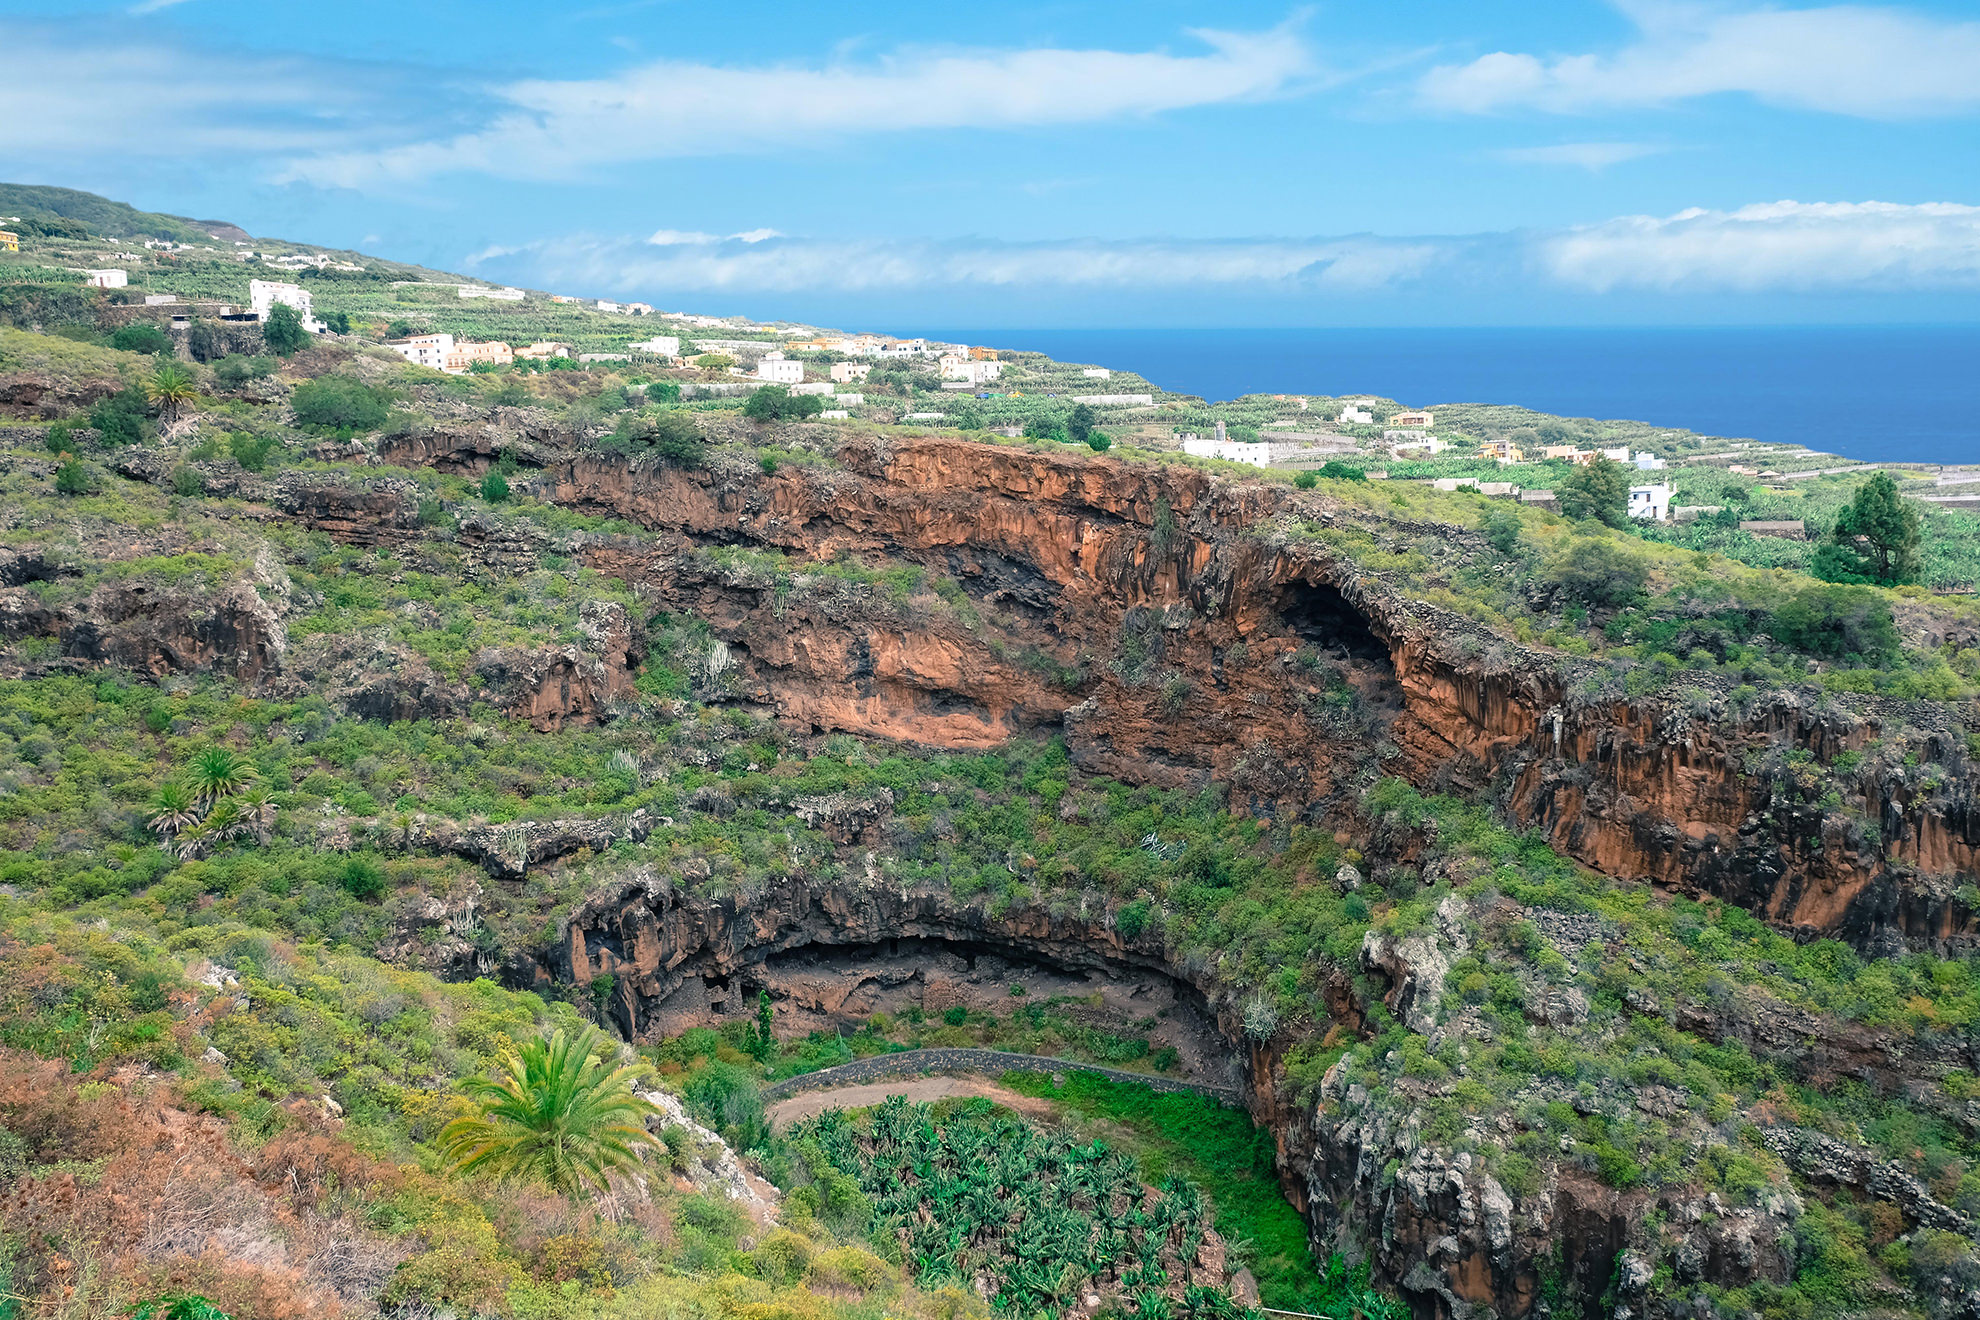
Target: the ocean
(1874, 393)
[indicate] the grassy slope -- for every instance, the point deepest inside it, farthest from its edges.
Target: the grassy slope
(111, 219)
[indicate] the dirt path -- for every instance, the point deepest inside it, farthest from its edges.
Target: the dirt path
(810, 1104)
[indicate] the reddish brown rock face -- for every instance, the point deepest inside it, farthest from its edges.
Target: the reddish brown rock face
(1179, 637)
(1248, 651)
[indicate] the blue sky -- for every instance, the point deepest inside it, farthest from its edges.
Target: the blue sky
(1099, 164)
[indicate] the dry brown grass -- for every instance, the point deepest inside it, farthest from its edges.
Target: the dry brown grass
(125, 1195)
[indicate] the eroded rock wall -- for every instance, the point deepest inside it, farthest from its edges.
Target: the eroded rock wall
(1205, 647)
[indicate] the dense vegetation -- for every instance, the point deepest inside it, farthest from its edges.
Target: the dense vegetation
(1040, 1218)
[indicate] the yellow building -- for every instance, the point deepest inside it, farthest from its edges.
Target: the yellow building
(9, 241)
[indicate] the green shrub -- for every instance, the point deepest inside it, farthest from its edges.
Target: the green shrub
(123, 418)
(494, 487)
(339, 403)
(362, 877)
(1596, 571)
(283, 330)
(234, 372)
(142, 337)
(774, 403)
(1837, 621)
(671, 435)
(1307, 480)
(74, 478)
(251, 451)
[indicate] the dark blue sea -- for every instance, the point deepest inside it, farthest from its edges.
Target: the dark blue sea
(1875, 393)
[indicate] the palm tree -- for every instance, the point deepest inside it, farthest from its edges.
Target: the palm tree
(554, 1113)
(173, 809)
(219, 772)
(258, 815)
(170, 387)
(224, 821)
(192, 842)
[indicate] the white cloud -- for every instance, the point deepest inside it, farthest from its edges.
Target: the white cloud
(1582, 155)
(1871, 61)
(1834, 247)
(72, 94)
(1777, 246)
(696, 238)
(785, 265)
(558, 129)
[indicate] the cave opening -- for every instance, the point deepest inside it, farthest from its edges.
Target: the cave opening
(1010, 999)
(1321, 615)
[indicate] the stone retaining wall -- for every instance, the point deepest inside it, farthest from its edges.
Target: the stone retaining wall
(911, 1063)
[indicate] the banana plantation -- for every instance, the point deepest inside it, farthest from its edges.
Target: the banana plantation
(1035, 1221)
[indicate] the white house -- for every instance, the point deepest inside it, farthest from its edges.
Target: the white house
(1231, 451)
(606, 306)
(834, 414)
(420, 350)
(778, 369)
(107, 279)
(499, 295)
(264, 294)
(968, 371)
(663, 345)
(1355, 415)
(1619, 455)
(1648, 462)
(848, 372)
(1652, 502)
(1095, 373)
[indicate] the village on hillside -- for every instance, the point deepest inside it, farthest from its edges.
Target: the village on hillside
(213, 294)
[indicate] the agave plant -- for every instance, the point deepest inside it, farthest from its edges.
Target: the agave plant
(173, 809)
(553, 1113)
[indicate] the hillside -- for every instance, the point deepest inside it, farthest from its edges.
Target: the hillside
(1586, 916)
(107, 218)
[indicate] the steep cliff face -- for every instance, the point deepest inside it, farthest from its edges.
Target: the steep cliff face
(1180, 640)
(157, 630)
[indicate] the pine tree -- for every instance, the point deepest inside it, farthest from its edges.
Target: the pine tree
(1598, 490)
(1875, 539)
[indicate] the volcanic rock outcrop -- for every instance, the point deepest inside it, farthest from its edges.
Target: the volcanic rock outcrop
(1183, 630)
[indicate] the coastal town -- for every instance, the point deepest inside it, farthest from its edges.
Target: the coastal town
(1706, 491)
